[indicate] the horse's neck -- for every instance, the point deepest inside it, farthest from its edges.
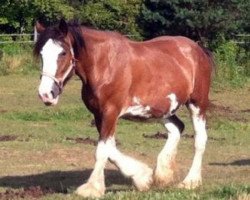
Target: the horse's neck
(94, 36)
(88, 70)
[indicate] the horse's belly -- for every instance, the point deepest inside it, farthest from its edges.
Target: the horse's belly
(162, 107)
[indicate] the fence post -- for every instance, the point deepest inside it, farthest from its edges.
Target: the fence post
(35, 34)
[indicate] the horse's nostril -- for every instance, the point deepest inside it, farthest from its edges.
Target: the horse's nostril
(48, 103)
(46, 95)
(53, 94)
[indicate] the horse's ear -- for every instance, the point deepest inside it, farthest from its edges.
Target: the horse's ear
(63, 26)
(39, 27)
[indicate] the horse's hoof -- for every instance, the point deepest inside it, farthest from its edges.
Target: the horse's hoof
(190, 184)
(163, 179)
(144, 180)
(89, 190)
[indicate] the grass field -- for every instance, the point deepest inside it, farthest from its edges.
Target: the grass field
(47, 152)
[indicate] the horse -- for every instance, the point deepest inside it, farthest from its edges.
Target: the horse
(121, 77)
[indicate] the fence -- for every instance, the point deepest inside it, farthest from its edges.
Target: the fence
(19, 38)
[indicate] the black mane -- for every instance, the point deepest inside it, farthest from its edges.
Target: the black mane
(54, 33)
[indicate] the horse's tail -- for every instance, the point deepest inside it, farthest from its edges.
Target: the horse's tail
(210, 56)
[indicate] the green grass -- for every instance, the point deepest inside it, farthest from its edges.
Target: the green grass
(224, 193)
(42, 155)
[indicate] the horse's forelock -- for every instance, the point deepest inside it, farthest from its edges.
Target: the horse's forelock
(50, 33)
(55, 34)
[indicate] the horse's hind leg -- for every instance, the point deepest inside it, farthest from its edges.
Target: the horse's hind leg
(193, 179)
(163, 173)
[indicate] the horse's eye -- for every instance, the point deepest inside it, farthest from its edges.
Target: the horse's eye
(63, 53)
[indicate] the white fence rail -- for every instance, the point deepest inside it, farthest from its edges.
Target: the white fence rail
(17, 38)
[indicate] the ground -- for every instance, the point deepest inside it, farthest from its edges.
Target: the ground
(47, 152)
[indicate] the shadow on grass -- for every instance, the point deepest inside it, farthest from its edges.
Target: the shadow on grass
(61, 181)
(243, 162)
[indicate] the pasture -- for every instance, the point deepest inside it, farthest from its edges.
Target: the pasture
(46, 152)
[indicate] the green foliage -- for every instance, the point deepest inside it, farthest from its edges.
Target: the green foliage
(200, 20)
(16, 58)
(53, 10)
(230, 66)
(117, 15)
(19, 15)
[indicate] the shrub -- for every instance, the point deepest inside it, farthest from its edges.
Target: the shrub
(16, 58)
(231, 64)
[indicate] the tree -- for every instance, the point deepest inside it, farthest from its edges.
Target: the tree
(19, 15)
(119, 15)
(199, 20)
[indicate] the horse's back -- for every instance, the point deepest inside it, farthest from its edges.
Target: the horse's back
(174, 55)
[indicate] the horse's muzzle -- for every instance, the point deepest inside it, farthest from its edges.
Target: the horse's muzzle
(47, 100)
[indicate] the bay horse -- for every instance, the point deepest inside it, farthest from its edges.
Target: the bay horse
(149, 79)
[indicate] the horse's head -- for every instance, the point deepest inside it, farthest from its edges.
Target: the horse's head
(55, 47)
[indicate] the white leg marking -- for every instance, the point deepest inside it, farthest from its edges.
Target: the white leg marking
(140, 173)
(163, 173)
(95, 186)
(193, 179)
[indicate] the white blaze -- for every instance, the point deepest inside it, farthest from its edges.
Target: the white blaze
(49, 53)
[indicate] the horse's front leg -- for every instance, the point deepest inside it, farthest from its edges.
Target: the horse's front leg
(139, 172)
(95, 186)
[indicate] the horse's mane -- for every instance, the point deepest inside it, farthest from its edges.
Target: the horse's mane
(54, 33)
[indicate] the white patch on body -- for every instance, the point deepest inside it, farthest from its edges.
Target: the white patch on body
(137, 109)
(173, 105)
(49, 53)
(163, 173)
(173, 102)
(193, 179)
